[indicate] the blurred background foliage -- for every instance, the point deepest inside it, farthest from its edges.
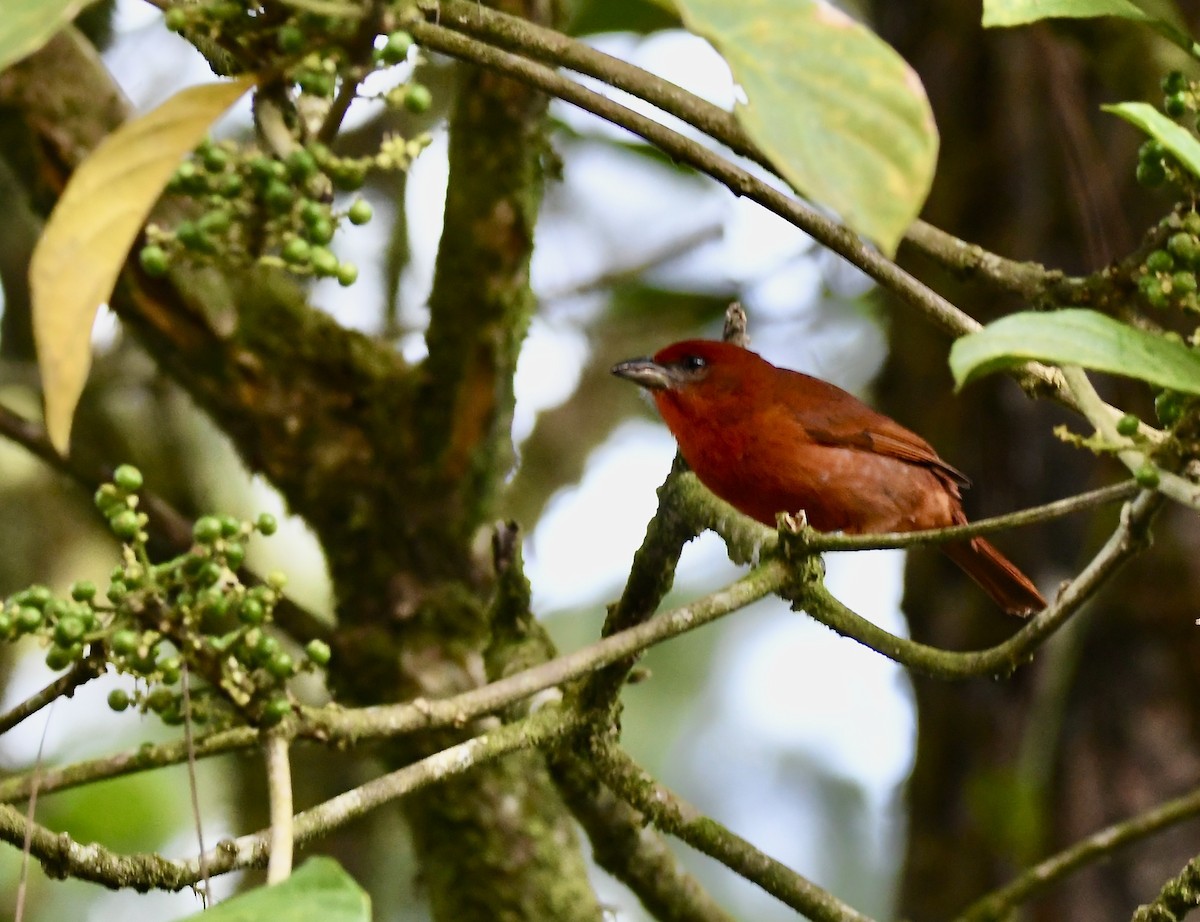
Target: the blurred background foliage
(797, 740)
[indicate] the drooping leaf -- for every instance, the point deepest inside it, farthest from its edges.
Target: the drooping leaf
(26, 25)
(839, 113)
(1174, 137)
(1000, 13)
(319, 891)
(585, 17)
(1076, 337)
(89, 233)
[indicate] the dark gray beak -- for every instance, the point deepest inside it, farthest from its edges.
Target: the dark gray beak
(646, 372)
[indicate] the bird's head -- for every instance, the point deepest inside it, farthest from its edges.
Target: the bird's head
(692, 368)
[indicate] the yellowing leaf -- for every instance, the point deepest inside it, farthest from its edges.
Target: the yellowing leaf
(88, 236)
(28, 24)
(839, 113)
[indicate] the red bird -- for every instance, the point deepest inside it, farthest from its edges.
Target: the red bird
(769, 440)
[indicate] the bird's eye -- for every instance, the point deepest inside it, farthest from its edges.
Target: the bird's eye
(694, 362)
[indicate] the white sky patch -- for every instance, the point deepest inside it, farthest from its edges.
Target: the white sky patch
(584, 542)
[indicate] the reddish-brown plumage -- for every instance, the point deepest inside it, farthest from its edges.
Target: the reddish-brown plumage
(769, 440)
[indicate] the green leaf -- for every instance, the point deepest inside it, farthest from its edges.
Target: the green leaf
(1174, 137)
(89, 233)
(1076, 337)
(585, 17)
(27, 25)
(839, 113)
(999, 13)
(319, 891)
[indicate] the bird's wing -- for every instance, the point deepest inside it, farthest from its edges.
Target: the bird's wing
(842, 420)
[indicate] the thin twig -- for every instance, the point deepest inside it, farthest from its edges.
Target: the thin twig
(62, 687)
(670, 813)
(822, 541)
(1099, 846)
(93, 862)
(30, 813)
(1103, 418)
(189, 742)
(279, 790)
(1005, 657)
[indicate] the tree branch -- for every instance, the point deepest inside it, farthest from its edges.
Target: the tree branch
(673, 815)
(1099, 846)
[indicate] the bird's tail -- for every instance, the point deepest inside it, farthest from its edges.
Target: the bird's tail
(1008, 586)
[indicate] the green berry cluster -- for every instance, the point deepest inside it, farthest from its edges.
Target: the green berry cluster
(273, 204)
(278, 211)
(1168, 276)
(154, 617)
(1179, 95)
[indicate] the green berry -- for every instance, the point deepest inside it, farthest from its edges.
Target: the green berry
(1185, 247)
(1173, 82)
(347, 274)
(318, 651)
(278, 196)
(360, 211)
(209, 575)
(193, 238)
(160, 699)
(109, 499)
(281, 666)
(117, 590)
(1150, 173)
(61, 657)
(125, 524)
(1152, 150)
(37, 596)
(171, 667)
(128, 478)
(215, 222)
(235, 554)
(266, 524)
(207, 529)
(311, 212)
(316, 83)
(153, 260)
(262, 169)
(251, 611)
(1147, 476)
(1175, 105)
(1128, 424)
(214, 158)
(324, 263)
(417, 98)
(291, 39)
(301, 164)
(1152, 290)
(118, 699)
(395, 49)
(175, 19)
(275, 710)
(277, 579)
(1169, 407)
(124, 642)
(1183, 283)
(29, 619)
(1160, 261)
(320, 231)
(1191, 223)
(230, 186)
(69, 629)
(348, 176)
(295, 251)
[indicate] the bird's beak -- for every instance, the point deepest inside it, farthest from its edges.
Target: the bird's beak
(646, 372)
